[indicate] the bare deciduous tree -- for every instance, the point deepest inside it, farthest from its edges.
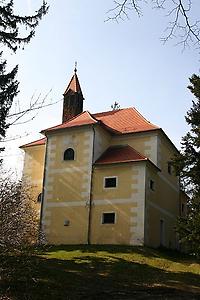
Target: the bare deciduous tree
(19, 216)
(19, 231)
(179, 12)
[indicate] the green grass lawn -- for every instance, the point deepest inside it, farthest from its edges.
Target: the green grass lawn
(99, 272)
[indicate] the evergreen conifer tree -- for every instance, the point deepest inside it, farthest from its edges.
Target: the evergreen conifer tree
(10, 36)
(8, 90)
(187, 166)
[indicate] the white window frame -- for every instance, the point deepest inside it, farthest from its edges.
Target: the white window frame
(110, 188)
(108, 212)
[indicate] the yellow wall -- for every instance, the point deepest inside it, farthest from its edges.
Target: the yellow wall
(74, 233)
(163, 202)
(145, 143)
(126, 201)
(102, 141)
(123, 189)
(118, 233)
(34, 168)
(67, 185)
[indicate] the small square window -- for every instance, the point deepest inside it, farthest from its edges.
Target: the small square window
(108, 218)
(152, 185)
(110, 182)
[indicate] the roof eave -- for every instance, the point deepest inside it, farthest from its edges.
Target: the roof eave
(139, 131)
(129, 161)
(119, 162)
(166, 136)
(64, 128)
(29, 146)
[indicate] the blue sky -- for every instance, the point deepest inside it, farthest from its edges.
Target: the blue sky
(124, 62)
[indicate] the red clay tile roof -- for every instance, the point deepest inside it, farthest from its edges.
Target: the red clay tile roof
(122, 121)
(35, 143)
(73, 85)
(119, 154)
(85, 118)
(127, 120)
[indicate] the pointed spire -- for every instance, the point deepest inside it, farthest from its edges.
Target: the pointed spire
(74, 84)
(73, 98)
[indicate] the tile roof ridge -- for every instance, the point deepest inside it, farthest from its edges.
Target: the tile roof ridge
(104, 125)
(43, 131)
(130, 147)
(92, 117)
(109, 111)
(127, 146)
(143, 117)
(75, 117)
(110, 129)
(144, 157)
(137, 152)
(120, 153)
(95, 119)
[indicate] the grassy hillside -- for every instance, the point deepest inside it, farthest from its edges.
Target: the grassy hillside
(100, 272)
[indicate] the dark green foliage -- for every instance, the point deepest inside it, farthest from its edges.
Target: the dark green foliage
(115, 106)
(8, 90)
(187, 165)
(10, 25)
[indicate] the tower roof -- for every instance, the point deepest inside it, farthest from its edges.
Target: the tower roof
(74, 84)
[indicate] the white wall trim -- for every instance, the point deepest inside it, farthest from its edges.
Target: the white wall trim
(137, 219)
(113, 201)
(66, 204)
(68, 169)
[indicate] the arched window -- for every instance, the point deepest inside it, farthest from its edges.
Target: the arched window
(69, 154)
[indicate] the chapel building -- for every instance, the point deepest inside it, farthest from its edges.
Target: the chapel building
(104, 178)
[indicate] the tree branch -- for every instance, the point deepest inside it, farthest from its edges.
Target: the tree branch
(120, 9)
(180, 27)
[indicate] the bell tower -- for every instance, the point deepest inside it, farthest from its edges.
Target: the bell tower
(73, 99)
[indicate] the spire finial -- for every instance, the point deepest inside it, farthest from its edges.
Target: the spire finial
(75, 67)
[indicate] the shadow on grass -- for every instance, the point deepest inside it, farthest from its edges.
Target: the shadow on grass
(91, 277)
(173, 255)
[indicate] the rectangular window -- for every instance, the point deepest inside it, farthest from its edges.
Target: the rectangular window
(169, 167)
(162, 233)
(152, 185)
(110, 182)
(108, 218)
(182, 208)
